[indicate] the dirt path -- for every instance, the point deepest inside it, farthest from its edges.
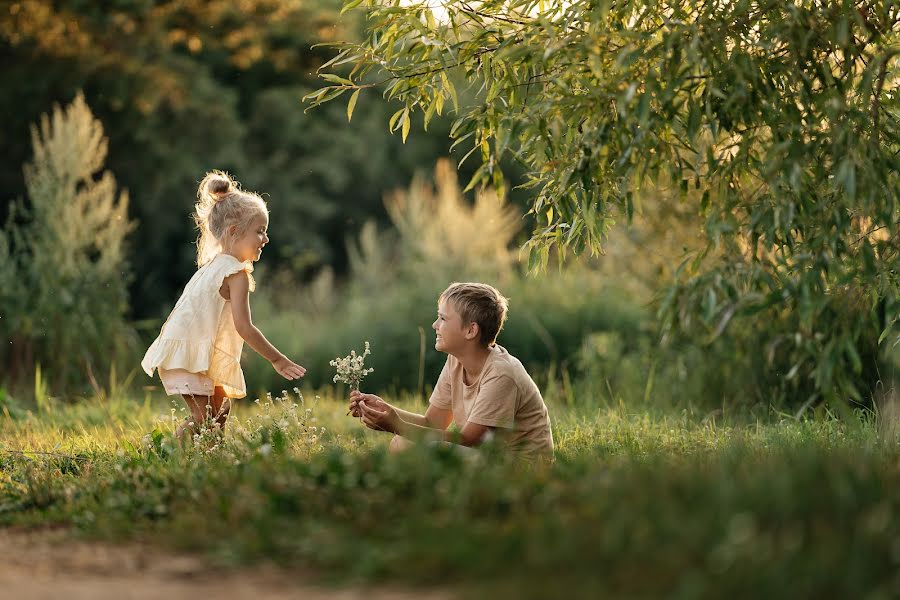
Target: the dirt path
(49, 565)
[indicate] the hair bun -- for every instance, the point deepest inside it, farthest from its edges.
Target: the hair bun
(219, 185)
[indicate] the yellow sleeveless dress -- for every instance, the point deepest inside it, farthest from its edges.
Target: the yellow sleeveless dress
(199, 347)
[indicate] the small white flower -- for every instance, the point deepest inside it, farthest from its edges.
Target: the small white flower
(351, 369)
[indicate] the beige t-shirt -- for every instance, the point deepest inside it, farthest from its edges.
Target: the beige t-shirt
(504, 396)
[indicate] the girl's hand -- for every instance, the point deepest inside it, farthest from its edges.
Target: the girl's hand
(287, 368)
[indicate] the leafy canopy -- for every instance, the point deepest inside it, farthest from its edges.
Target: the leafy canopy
(777, 121)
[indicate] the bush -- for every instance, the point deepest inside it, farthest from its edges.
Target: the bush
(390, 298)
(66, 309)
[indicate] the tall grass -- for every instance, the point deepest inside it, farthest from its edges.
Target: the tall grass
(640, 503)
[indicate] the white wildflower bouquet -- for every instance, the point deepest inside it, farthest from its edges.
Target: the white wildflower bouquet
(351, 369)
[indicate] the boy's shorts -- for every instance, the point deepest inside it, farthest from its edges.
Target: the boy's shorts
(178, 382)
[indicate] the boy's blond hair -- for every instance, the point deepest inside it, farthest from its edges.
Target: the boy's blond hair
(479, 303)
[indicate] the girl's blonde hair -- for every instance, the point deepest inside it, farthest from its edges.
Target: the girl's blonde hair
(221, 206)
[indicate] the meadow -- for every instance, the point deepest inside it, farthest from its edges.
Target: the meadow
(642, 502)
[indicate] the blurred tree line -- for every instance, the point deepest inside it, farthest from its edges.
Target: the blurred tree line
(182, 87)
(438, 234)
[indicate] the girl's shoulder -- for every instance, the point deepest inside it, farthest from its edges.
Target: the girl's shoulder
(225, 265)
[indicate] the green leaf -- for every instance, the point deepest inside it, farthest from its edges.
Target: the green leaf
(451, 90)
(315, 95)
(331, 77)
(350, 5)
(461, 139)
(352, 104)
(855, 360)
(887, 331)
(405, 125)
(477, 178)
(394, 118)
(430, 111)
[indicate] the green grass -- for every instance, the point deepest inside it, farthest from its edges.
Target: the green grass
(640, 504)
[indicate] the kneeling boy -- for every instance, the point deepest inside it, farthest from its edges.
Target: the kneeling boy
(482, 388)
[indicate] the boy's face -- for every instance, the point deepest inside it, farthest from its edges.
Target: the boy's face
(452, 334)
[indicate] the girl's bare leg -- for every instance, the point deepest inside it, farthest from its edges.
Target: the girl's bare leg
(201, 410)
(221, 407)
(205, 408)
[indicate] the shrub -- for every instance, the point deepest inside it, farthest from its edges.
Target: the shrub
(390, 297)
(66, 308)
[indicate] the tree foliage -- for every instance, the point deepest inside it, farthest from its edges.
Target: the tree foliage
(436, 236)
(67, 305)
(778, 122)
(186, 86)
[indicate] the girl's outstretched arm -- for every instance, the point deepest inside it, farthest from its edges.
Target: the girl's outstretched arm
(239, 288)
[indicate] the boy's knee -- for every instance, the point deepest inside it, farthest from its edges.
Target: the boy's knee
(399, 444)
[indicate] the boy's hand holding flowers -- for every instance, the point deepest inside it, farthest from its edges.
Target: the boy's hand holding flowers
(374, 412)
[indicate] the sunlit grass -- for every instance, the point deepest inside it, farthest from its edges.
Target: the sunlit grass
(642, 502)
(101, 426)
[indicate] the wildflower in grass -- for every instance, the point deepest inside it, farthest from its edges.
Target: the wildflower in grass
(351, 369)
(281, 423)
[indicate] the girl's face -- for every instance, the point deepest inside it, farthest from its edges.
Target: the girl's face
(249, 245)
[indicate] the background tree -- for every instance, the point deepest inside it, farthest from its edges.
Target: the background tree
(183, 87)
(67, 306)
(437, 235)
(776, 121)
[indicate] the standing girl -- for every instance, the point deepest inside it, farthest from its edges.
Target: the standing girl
(198, 351)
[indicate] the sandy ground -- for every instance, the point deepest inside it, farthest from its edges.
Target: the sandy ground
(49, 564)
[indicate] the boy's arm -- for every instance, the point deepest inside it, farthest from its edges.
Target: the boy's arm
(434, 417)
(471, 435)
(380, 415)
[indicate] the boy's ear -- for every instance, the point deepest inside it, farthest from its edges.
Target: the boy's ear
(473, 331)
